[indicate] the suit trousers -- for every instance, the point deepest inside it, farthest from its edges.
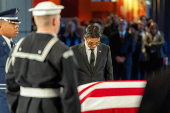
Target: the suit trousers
(122, 71)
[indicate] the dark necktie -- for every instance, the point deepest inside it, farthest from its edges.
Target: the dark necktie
(121, 37)
(12, 44)
(92, 58)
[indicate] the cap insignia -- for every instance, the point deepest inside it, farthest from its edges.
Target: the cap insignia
(16, 11)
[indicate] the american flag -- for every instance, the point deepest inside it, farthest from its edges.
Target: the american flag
(111, 96)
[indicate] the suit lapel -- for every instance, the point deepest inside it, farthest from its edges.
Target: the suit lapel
(4, 44)
(99, 56)
(82, 51)
(125, 38)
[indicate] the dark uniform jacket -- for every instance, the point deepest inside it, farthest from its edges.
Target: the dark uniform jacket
(4, 53)
(41, 61)
(103, 69)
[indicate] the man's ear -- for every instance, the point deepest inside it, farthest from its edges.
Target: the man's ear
(84, 38)
(54, 21)
(0, 23)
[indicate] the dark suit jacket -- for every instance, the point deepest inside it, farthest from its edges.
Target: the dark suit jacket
(103, 68)
(156, 97)
(138, 54)
(118, 49)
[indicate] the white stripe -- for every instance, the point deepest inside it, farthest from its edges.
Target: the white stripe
(80, 88)
(68, 54)
(114, 85)
(2, 88)
(12, 59)
(110, 102)
(2, 84)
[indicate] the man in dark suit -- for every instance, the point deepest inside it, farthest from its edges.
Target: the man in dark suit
(93, 57)
(122, 45)
(8, 30)
(113, 27)
(156, 97)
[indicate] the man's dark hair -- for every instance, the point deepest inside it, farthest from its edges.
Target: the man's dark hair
(148, 19)
(113, 13)
(92, 31)
(135, 26)
(92, 21)
(142, 17)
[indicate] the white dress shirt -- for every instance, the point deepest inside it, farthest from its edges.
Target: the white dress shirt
(7, 41)
(88, 52)
(122, 33)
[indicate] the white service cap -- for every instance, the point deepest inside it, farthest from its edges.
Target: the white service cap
(46, 8)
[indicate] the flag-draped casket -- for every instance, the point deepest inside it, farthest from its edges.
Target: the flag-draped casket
(111, 96)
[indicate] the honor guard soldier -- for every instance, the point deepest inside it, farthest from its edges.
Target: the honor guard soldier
(8, 30)
(41, 71)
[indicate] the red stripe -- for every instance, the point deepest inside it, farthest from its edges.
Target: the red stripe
(125, 81)
(109, 81)
(113, 92)
(114, 110)
(88, 87)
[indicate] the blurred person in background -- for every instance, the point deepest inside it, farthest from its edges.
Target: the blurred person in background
(143, 19)
(92, 21)
(71, 37)
(148, 23)
(122, 45)
(103, 39)
(99, 21)
(76, 21)
(144, 61)
(80, 32)
(154, 48)
(108, 21)
(62, 29)
(138, 56)
(113, 27)
(84, 23)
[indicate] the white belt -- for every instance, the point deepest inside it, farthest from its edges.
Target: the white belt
(39, 92)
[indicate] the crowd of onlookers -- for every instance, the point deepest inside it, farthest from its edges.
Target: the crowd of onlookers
(150, 49)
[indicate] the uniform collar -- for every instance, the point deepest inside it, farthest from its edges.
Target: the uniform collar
(7, 41)
(55, 35)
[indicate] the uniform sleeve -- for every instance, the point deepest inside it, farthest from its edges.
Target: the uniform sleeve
(109, 67)
(70, 97)
(13, 89)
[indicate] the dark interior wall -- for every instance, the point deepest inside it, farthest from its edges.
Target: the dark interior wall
(71, 8)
